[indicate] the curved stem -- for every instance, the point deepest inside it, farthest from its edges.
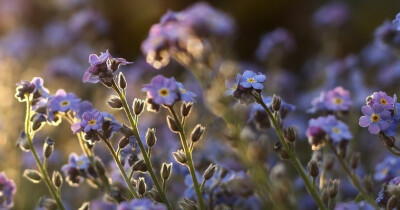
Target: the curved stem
(120, 167)
(146, 158)
(42, 169)
(353, 178)
(188, 154)
(296, 163)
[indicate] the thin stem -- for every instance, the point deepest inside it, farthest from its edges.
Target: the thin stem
(330, 204)
(353, 177)
(120, 167)
(164, 184)
(146, 158)
(188, 154)
(296, 163)
(202, 185)
(42, 169)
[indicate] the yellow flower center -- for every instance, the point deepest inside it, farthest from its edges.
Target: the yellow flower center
(164, 92)
(251, 80)
(182, 90)
(336, 130)
(65, 103)
(234, 87)
(80, 162)
(337, 101)
(383, 101)
(92, 122)
(375, 118)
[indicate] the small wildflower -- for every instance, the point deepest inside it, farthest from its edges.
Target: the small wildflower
(387, 169)
(185, 95)
(376, 118)
(162, 90)
(77, 169)
(7, 191)
(252, 80)
(62, 102)
(144, 203)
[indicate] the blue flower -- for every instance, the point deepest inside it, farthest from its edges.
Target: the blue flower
(185, 95)
(162, 90)
(387, 169)
(362, 205)
(76, 169)
(62, 102)
(252, 80)
(376, 118)
(92, 120)
(232, 87)
(144, 203)
(336, 129)
(7, 191)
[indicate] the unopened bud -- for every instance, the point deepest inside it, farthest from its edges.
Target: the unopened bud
(116, 195)
(123, 142)
(392, 202)
(48, 204)
(324, 196)
(154, 195)
(37, 121)
(127, 131)
(313, 169)
(369, 186)
(57, 179)
(121, 80)
(115, 102)
(186, 108)
(354, 160)
(22, 142)
(32, 175)
(276, 103)
(172, 124)
(188, 204)
(388, 141)
(180, 157)
(100, 166)
(210, 171)
(166, 170)
(48, 147)
(223, 172)
(278, 148)
(151, 138)
(141, 186)
(333, 188)
(290, 134)
(197, 132)
(138, 106)
(139, 165)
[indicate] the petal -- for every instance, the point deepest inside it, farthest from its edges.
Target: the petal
(245, 84)
(377, 108)
(385, 115)
(93, 58)
(260, 78)
(76, 127)
(374, 128)
(248, 74)
(367, 110)
(364, 121)
(87, 128)
(258, 86)
(383, 124)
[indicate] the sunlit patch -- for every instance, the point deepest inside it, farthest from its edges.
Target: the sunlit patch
(157, 59)
(251, 80)
(375, 118)
(108, 118)
(92, 122)
(337, 101)
(65, 103)
(336, 130)
(164, 92)
(383, 101)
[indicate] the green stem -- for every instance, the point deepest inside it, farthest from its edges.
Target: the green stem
(120, 167)
(202, 185)
(353, 178)
(42, 169)
(164, 184)
(188, 154)
(141, 146)
(330, 204)
(296, 163)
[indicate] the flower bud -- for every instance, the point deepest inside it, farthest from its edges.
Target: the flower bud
(388, 141)
(313, 169)
(48, 204)
(188, 204)
(197, 132)
(127, 131)
(369, 186)
(333, 188)
(22, 142)
(151, 138)
(186, 108)
(85, 206)
(172, 124)
(32, 175)
(290, 134)
(166, 170)
(57, 179)
(209, 171)
(115, 102)
(324, 196)
(121, 80)
(100, 166)
(154, 195)
(123, 142)
(48, 147)
(180, 157)
(354, 160)
(138, 106)
(223, 172)
(37, 121)
(116, 195)
(392, 202)
(141, 189)
(139, 165)
(276, 103)
(278, 148)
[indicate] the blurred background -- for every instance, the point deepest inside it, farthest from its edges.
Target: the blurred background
(53, 39)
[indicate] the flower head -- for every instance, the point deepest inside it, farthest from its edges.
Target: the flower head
(144, 203)
(338, 99)
(250, 79)
(386, 192)
(77, 169)
(376, 118)
(185, 95)
(333, 14)
(63, 102)
(7, 192)
(387, 169)
(362, 205)
(383, 99)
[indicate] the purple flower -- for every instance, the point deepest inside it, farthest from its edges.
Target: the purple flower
(162, 90)
(252, 80)
(91, 121)
(63, 102)
(78, 167)
(143, 203)
(185, 95)
(388, 34)
(336, 129)
(334, 14)
(376, 118)
(7, 191)
(383, 99)
(35, 87)
(337, 99)
(84, 106)
(387, 169)
(396, 22)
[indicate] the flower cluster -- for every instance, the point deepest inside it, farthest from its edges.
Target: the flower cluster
(327, 127)
(165, 91)
(7, 191)
(380, 114)
(334, 100)
(77, 169)
(334, 15)
(245, 84)
(144, 203)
